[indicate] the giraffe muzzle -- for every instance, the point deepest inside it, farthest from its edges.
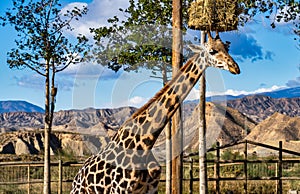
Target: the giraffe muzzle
(234, 70)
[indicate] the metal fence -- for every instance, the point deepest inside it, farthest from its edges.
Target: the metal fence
(230, 169)
(27, 177)
(234, 169)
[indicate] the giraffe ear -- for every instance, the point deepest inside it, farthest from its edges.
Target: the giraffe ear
(196, 48)
(226, 46)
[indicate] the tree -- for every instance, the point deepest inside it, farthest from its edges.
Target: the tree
(144, 40)
(280, 11)
(43, 47)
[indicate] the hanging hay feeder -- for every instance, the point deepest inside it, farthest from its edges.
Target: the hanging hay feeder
(214, 15)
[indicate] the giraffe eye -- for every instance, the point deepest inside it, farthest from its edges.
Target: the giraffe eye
(212, 52)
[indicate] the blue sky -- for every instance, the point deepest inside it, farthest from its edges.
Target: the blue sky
(269, 59)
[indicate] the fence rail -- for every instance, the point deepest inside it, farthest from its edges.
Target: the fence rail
(251, 168)
(27, 177)
(277, 174)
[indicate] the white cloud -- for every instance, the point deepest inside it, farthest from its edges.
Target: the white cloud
(90, 71)
(294, 82)
(194, 94)
(135, 101)
(243, 92)
(71, 6)
(37, 82)
(98, 13)
(31, 80)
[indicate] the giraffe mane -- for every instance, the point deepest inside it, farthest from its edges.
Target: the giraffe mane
(163, 90)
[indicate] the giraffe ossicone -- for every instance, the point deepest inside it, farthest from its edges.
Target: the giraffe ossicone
(127, 164)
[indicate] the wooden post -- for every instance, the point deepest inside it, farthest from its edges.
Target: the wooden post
(60, 176)
(245, 167)
(279, 190)
(202, 131)
(217, 169)
(168, 159)
(28, 179)
(191, 176)
(177, 132)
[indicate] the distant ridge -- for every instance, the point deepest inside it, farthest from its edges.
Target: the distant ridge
(23, 106)
(259, 107)
(19, 106)
(284, 93)
(280, 93)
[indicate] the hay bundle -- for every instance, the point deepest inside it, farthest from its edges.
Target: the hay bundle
(214, 15)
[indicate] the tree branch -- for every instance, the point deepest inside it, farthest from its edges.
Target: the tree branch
(34, 69)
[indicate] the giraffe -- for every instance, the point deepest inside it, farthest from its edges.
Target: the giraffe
(127, 164)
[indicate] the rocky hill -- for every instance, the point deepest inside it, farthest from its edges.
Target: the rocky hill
(77, 131)
(278, 127)
(70, 120)
(225, 125)
(32, 142)
(261, 107)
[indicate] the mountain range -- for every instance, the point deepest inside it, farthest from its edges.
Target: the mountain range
(257, 117)
(87, 131)
(18, 106)
(23, 106)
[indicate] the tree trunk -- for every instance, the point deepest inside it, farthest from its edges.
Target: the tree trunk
(202, 131)
(176, 119)
(47, 178)
(53, 94)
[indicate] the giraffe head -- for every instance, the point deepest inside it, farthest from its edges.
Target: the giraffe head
(217, 54)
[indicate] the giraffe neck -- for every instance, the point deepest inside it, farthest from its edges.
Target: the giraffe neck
(143, 128)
